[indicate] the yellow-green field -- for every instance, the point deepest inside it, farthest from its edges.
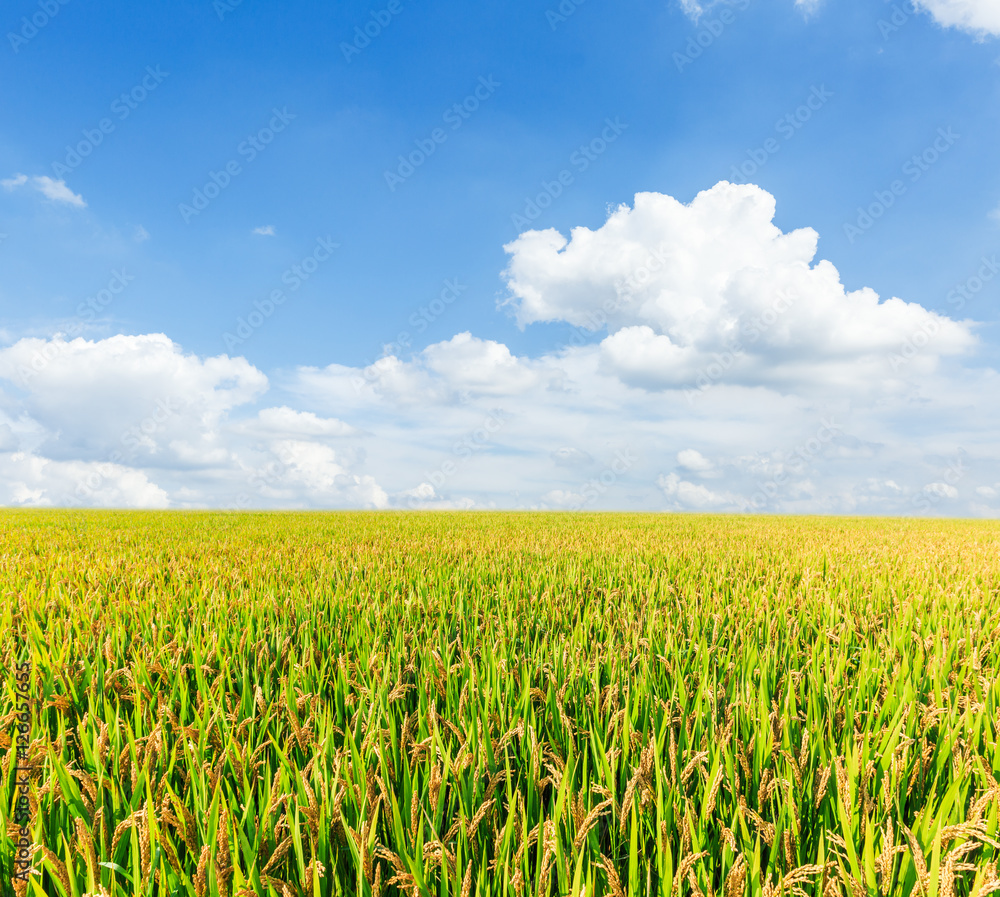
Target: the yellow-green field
(502, 704)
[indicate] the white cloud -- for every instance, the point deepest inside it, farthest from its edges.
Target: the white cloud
(691, 459)
(266, 230)
(692, 9)
(134, 421)
(288, 422)
(57, 191)
(314, 469)
(132, 391)
(425, 498)
(33, 481)
(683, 495)
(482, 367)
(981, 17)
(684, 290)
(140, 234)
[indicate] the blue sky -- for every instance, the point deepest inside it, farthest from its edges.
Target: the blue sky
(580, 107)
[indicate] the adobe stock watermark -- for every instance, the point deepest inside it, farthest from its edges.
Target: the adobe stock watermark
(708, 34)
(555, 16)
(579, 161)
(47, 11)
(915, 168)
(420, 320)
(901, 14)
(624, 292)
(86, 312)
(800, 456)
(595, 487)
(122, 107)
(133, 438)
(465, 448)
(379, 20)
(752, 330)
(961, 293)
(454, 116)
(967, 291)
(292, 277)
(787, 127)
(224, 7)
(24, 703)
(931, 495)
(248, 149)
(269, 475)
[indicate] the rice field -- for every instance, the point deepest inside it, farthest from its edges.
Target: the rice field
(498, 704)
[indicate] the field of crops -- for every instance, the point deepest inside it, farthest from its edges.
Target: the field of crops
(508, 704)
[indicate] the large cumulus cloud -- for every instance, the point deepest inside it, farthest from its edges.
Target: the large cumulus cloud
(685, 290)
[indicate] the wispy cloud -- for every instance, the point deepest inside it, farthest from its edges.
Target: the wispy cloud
(266, 230)
(981, 17)
(140, 234)
(692, 9)
(57, 191)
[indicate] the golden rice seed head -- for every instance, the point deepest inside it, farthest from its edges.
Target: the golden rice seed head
(614, 882)
(144, 852)
(467, 881)
(946, 879)
(85, 841)
(59, 868)
(823, 782)
(735, 883)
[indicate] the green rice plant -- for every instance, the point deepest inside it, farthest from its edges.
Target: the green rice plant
(501, 704)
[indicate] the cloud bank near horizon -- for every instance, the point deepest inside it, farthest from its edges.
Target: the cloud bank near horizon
(715, 364)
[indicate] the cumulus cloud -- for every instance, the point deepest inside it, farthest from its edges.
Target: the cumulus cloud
(483, 367)
(981, 17)
(454, 370)
(309, 467)
(691, 459)
(714, 291)
(134, 421)
(285, 421)
(715, 366)
(51, 189)
(137, 391)
(30, 480)
(684, 495)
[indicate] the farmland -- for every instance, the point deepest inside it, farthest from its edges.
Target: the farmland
(515, 704)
